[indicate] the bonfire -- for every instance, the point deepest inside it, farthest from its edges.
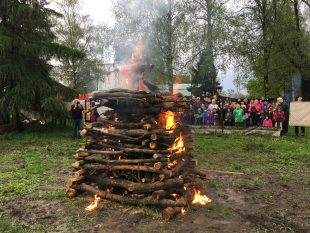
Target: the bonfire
(139, 154)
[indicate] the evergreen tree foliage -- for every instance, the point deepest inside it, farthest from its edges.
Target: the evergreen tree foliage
(27, 45)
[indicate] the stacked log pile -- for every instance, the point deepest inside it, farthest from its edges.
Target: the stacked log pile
(140, 154)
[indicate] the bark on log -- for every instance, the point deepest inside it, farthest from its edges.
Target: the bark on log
(99, 167)
(153, 145)
(158, 165)
(145, 151)
(160, 194)
(116, 124)
(126, 200)
(86, 153)
(95, 159)
(138, 187)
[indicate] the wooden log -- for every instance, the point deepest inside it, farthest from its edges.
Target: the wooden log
(96, 159)
(160, 194)
(86, 153)
(154, 137)
(173, 156)
(78, 164)
(153, 145)
(145, 151)
(133, 187)
(132, 201)
(116, 124)
(71, 193)
(112, 133)
(74, 180)
(160, 156)
(145, 142)
(147, 127)
(100, 167)
(179, 168)
(158, 165)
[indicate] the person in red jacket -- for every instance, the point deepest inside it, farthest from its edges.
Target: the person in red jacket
(279, 118)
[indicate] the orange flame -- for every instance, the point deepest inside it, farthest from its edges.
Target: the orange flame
(170, 120)
(173, 164)
(179, 145)
(95, 204)
(200, 199)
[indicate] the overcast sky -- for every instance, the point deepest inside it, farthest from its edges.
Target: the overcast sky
(102, 11)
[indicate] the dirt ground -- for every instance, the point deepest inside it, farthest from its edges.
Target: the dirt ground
(268, 209)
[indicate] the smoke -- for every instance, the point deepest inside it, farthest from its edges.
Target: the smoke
(135, 23)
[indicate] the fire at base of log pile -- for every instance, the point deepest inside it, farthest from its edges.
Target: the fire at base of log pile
(139, 155)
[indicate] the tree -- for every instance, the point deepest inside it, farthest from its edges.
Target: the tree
(268, 42)
(27, 44)
(209, 20)
(78, 31)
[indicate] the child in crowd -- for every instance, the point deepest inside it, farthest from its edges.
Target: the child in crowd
(279, 118)
(198, 117)
(238, 114)
(267, 123)
(208, 117)
(229, 117)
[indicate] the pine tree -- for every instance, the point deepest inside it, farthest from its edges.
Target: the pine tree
(27, 45)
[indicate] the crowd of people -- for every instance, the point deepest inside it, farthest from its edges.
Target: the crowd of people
(212, 111)
(215, 111)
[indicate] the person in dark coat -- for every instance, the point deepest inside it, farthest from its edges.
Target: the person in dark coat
(77, 116)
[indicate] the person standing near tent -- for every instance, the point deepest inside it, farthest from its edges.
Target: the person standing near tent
(77, 116)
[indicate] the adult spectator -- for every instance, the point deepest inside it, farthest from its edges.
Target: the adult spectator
(94, 113)
(214, 108)
(298, 128)
(284, 106)
(77, 116)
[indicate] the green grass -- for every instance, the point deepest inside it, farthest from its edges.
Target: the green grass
(29, 160)
(6, 227)
(256, 155)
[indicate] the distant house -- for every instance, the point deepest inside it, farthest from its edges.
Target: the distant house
(182, 88)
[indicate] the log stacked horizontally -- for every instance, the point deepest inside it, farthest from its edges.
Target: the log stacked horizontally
(134, 156)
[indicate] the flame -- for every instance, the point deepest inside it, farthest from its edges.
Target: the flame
(173, 164)
(178, 145)
(183, 211)
(170, 120)
(200, 199)
(94, 205)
